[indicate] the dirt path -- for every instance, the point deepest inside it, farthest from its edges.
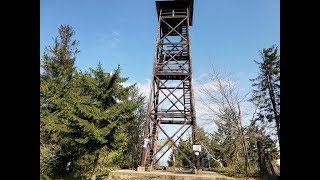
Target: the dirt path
(177, 175)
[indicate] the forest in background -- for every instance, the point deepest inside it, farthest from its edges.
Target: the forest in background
(90, 123)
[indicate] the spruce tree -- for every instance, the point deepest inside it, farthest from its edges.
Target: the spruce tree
(99, 111)
(132, 150)
(58, 68)
(80, 112)
(267, 86)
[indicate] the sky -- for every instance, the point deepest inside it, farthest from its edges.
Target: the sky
(225, 33)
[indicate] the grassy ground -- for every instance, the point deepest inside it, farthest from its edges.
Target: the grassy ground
(232, 172)
(101, 174)
(83, 177)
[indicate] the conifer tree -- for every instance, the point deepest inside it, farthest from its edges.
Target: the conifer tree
(100, 111)
(58, 68)
(267, 86)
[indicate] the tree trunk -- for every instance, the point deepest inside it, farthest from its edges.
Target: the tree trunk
(174, 161)
(261, 157)
(243, 141)
(268, 157)
(278, 128)
(95, 164)
(273, 103)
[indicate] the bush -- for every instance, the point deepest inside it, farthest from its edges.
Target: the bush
(48, 159)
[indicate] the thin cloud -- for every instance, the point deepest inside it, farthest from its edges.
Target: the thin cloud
(109, 41)
(202, 76)
(116, 33)
(143, 87)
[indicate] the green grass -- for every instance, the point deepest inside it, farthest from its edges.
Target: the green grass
(73, 177)
(232, 172)
(101, 174)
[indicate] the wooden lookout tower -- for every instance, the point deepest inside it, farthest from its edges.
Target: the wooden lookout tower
(171, 98)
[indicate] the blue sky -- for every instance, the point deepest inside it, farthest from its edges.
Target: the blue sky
(226, 33)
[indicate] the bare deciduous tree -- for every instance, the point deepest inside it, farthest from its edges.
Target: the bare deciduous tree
(219, 97)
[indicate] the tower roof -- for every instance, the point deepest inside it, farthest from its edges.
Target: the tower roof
(176, 4)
